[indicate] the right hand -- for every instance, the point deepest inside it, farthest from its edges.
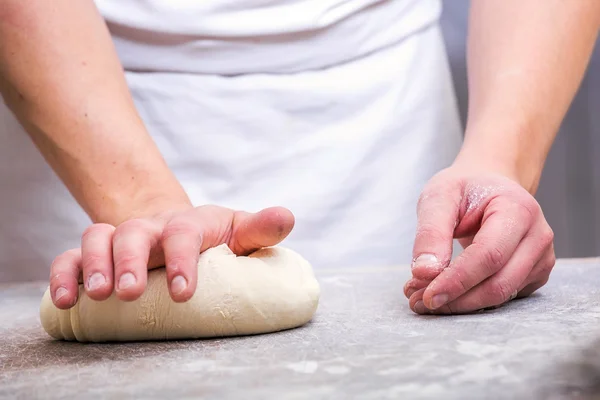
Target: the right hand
(118, 258)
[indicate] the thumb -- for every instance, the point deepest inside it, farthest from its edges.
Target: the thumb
(252, 231)
(437, 216)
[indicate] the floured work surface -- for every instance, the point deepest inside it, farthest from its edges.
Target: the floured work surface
(363, 343)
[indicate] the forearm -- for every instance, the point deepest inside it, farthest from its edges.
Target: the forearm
(61, 77)
(526, 59)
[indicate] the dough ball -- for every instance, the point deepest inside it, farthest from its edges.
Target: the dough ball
(270, 290)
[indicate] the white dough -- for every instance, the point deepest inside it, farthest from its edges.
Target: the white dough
(270, 290)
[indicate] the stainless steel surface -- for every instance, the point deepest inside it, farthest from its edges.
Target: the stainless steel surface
(363, 343)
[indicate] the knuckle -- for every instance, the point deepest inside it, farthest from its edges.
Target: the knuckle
(72, 253)
(459, 283)
(65, 267)
(423, 197)
(463, 286)
(55, 278)
(136, 231)
(495, 258)
(92, 261)
(551, 261)
(133, 225)
(89, 231)
(435, 192)
(64, 258)
(548, 236)
(524, 211)
(178, 227)
(543, 281)
(431, 192)
(97, 229)
(492, 258)
(548, 265)
(500, 291)
(528, 202)
(176, 263)
(127, 261)
(431, 233)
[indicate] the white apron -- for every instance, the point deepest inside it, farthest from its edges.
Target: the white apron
(340, 110)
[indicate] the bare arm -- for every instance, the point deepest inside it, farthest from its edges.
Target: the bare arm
(526, 59)
(60, 75)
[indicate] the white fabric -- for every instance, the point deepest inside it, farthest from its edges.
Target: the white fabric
(347, 148)
(228, 37)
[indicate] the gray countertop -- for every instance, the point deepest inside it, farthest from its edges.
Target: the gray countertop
(363, 343)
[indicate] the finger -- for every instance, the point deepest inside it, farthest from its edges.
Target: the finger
(181, 241)
(530, 262)
(541, 274)
(184, 238)
(494, 291)
(97, 261)
(64, 279)
(437, 216)
(502, 228)
(132, 242)
(265, 228)
(465, 241)
(530, 289)
(413, 285)
(416, 303)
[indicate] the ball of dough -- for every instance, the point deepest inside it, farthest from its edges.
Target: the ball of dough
(270, 290)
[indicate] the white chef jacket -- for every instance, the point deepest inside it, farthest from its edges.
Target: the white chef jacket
(339, 110)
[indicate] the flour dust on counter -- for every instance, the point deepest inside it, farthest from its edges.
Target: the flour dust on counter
(270, 290)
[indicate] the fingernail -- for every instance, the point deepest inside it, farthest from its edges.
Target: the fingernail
(410, 292)
(178, 284)
(127, 280)
(420, 307)
(95, 281)
(439, 300)
(60, 293)
(424, 260)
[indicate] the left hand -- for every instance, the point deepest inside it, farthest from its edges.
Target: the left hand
(508, 245)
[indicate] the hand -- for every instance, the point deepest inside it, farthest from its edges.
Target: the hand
(118, 257)
(508, 245)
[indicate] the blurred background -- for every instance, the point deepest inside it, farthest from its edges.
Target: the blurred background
(570, 188)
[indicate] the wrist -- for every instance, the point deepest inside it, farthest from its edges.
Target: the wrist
(159, 206)
(515, 146)
(492, 160)
(149, 201)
